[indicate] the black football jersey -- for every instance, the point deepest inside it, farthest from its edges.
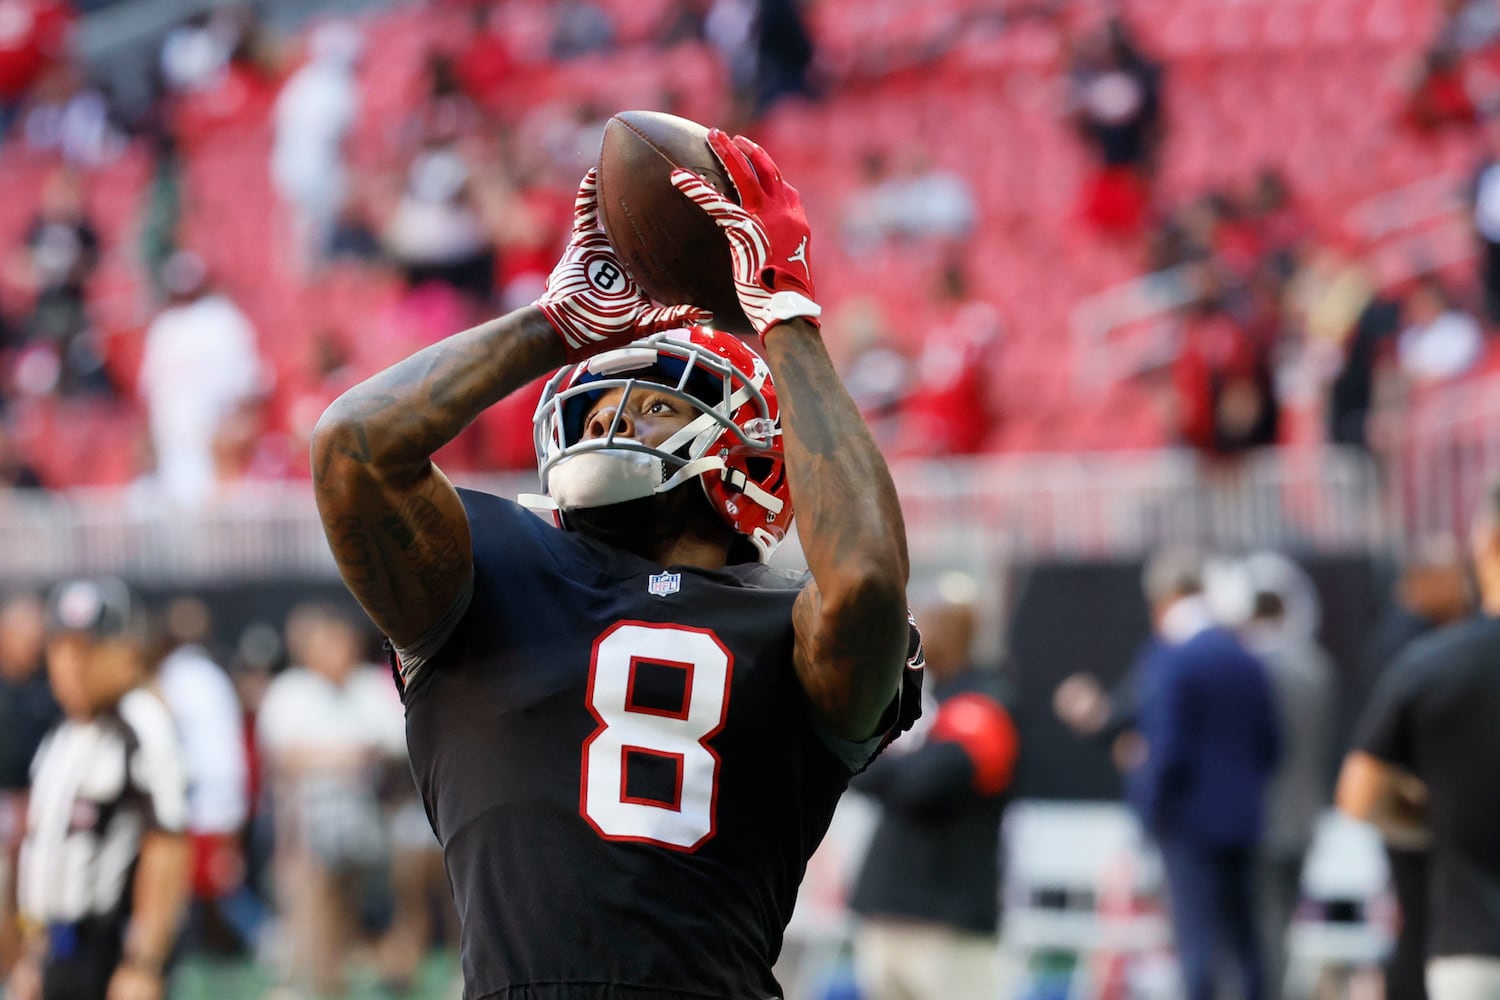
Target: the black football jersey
(620, 765)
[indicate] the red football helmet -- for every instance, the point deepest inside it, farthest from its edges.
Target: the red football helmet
(733, 446)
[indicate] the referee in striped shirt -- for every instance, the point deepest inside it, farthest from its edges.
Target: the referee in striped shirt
(104, 863)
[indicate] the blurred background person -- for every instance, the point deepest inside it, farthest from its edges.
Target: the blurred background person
(579, 28)
(196, 53)
(1304, 683)
(785, 55)
(436, 232)
(27, 711)
(259, 651)
(1441, 340)
(207, 714)
(328, 726)
(104, 865)
(1209, 744)
(34, 36)
(1104, 717)
(951, 406)
(315, 112)
(1439, 97)
(1484, 200)
(16, 473)
(919, 202)
(201, 361)
(928, 893)
(1431, 592)
(1423, 769)
(876, 372)
(72, 118)
(60, 255)
(1226, 400)
(1116, 105)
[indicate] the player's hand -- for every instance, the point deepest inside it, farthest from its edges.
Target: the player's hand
(25, 981)
(1082, 704)
(767, 231)
(590, 301)
(131, 982)
(1129, 751)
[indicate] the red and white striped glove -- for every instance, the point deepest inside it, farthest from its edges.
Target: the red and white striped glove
(767, 231)
(590, 300)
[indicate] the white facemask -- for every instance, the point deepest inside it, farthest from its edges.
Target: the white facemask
(600, 478)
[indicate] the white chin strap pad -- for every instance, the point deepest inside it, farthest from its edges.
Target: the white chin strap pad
(603, 477)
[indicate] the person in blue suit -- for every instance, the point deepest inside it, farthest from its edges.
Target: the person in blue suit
(1208, 743)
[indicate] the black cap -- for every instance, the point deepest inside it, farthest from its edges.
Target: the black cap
(102, 609)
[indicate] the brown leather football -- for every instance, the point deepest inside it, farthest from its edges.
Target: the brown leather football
(671, 248)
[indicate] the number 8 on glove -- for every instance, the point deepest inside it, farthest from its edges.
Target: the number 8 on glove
(590, 300)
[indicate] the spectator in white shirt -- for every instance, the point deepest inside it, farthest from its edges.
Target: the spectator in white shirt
(437, 232)
(924, 202)
(326, 729)
(1441, 341)
(200, 363)
(210, 724)
(314, 113)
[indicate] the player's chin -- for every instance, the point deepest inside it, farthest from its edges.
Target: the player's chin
(645, 526)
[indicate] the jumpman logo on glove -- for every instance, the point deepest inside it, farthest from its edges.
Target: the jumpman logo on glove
(799, 256)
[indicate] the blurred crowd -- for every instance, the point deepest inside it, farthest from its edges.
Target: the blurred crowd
(309, 851)
(1275, 307)
(1282, 309)
(455, 210)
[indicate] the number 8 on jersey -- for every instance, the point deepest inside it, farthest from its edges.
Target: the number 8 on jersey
(663, 738)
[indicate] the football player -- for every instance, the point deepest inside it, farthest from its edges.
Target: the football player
(630, 734)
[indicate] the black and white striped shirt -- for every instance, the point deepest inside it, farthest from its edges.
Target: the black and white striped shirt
(97, 788)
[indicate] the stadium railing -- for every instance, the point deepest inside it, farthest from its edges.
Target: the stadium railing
(960, 514)
(1129, 328)
(1448, 453)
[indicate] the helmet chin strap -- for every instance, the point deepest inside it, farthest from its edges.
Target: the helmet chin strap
(752, 489)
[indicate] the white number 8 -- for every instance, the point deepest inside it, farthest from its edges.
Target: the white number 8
(664, 736)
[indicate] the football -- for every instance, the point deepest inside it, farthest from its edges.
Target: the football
(671, 248)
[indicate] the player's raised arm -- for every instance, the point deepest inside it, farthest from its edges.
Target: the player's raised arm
(851, 622)
(396, 526)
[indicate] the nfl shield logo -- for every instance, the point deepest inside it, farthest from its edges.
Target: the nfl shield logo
(664, 584)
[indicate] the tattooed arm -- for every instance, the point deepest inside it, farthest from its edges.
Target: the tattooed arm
(396, 526)
(850, 621)
(851, 625)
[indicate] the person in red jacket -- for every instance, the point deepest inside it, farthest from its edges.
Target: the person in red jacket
(1225, 391)
(951, 410)
(33, 38)
(929, 890)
